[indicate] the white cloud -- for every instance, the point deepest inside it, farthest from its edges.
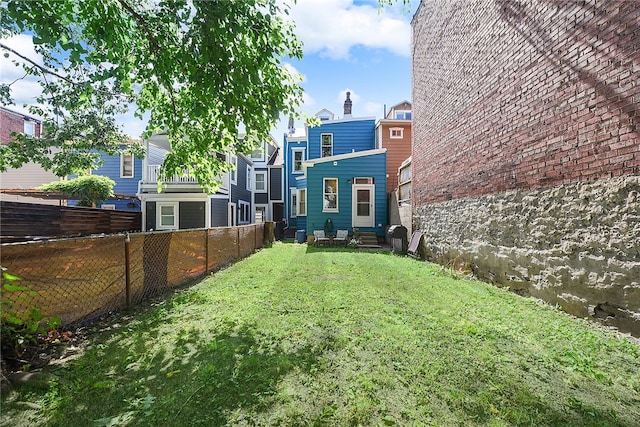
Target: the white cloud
(293, 71)
(333, 27)
(373, 109)
(24, 89)
(307, 100)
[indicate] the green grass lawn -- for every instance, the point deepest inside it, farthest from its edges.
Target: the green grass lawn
(303, 336)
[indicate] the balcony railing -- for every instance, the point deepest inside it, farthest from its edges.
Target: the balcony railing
(153, 171)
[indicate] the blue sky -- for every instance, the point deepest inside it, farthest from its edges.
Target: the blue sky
(349, 45)
(352, 46)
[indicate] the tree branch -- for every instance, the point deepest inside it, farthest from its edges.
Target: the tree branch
(38, 66)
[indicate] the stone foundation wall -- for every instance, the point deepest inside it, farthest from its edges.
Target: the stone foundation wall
(577, 245)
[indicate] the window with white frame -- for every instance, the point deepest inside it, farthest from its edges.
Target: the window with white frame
(261, 182)
(126, 166)
(258, 154)
(294, 202)
(233, 160)
(29, 128)
(403, 115)
(396, 132)
(298, 158)
(330, 195)
(244, 212)
(302, 202)
(327, 144)
(167, 216)
(249, 175)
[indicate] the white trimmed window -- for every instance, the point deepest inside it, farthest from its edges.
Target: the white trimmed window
(396, 132)
(302, 202)
(233, 160)
(294, 202)
(167, 216)
(126, 165)
(327, 144)
(258, 154)
(330, 195)
(244, 216)
(403, 114)
(261, 182)
(298, 158)
(249, 175)
(29, 128)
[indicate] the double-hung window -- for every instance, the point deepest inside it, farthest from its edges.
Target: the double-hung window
(233, 160)
(261, 182)
(298, 158)
(302, 202)
(327, 144)
(244, 212)
(294, 202)
(167, 216)
(330, 195)
(126, 166)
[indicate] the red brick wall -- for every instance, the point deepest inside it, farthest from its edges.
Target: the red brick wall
(13, 122)
(509, 94)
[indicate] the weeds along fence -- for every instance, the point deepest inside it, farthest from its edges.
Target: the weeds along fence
(83, 278)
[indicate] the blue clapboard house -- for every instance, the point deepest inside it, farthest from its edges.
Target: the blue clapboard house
(335, 177)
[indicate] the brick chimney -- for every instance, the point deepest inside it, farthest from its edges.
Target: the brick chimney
(347, 105)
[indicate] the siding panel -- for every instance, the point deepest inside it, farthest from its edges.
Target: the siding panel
(346, 169)
(191, 215)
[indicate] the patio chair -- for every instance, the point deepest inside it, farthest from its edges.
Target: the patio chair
(319, 238)
(341, 237)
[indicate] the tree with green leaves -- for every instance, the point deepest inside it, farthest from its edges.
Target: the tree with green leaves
(199, 69)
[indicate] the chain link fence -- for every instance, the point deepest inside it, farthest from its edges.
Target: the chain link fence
(83, 278)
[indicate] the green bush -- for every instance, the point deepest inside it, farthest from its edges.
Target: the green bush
(89, 189)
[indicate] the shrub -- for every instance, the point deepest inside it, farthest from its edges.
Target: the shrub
(89, 189)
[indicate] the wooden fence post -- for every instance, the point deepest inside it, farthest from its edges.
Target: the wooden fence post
(127, 271)
(206, 250)
(238, 242)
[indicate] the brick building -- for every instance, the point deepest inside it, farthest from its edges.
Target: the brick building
(12, 121)
(393, 132)
(526, 147)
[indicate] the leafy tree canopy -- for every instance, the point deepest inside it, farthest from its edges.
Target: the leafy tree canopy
(201, 69)
(89, 189)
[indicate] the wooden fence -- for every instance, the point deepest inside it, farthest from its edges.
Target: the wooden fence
(30, 221)
(83, 278)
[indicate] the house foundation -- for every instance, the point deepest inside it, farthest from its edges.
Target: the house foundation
(576, 246)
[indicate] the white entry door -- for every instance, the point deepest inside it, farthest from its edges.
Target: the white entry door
(363, 206)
